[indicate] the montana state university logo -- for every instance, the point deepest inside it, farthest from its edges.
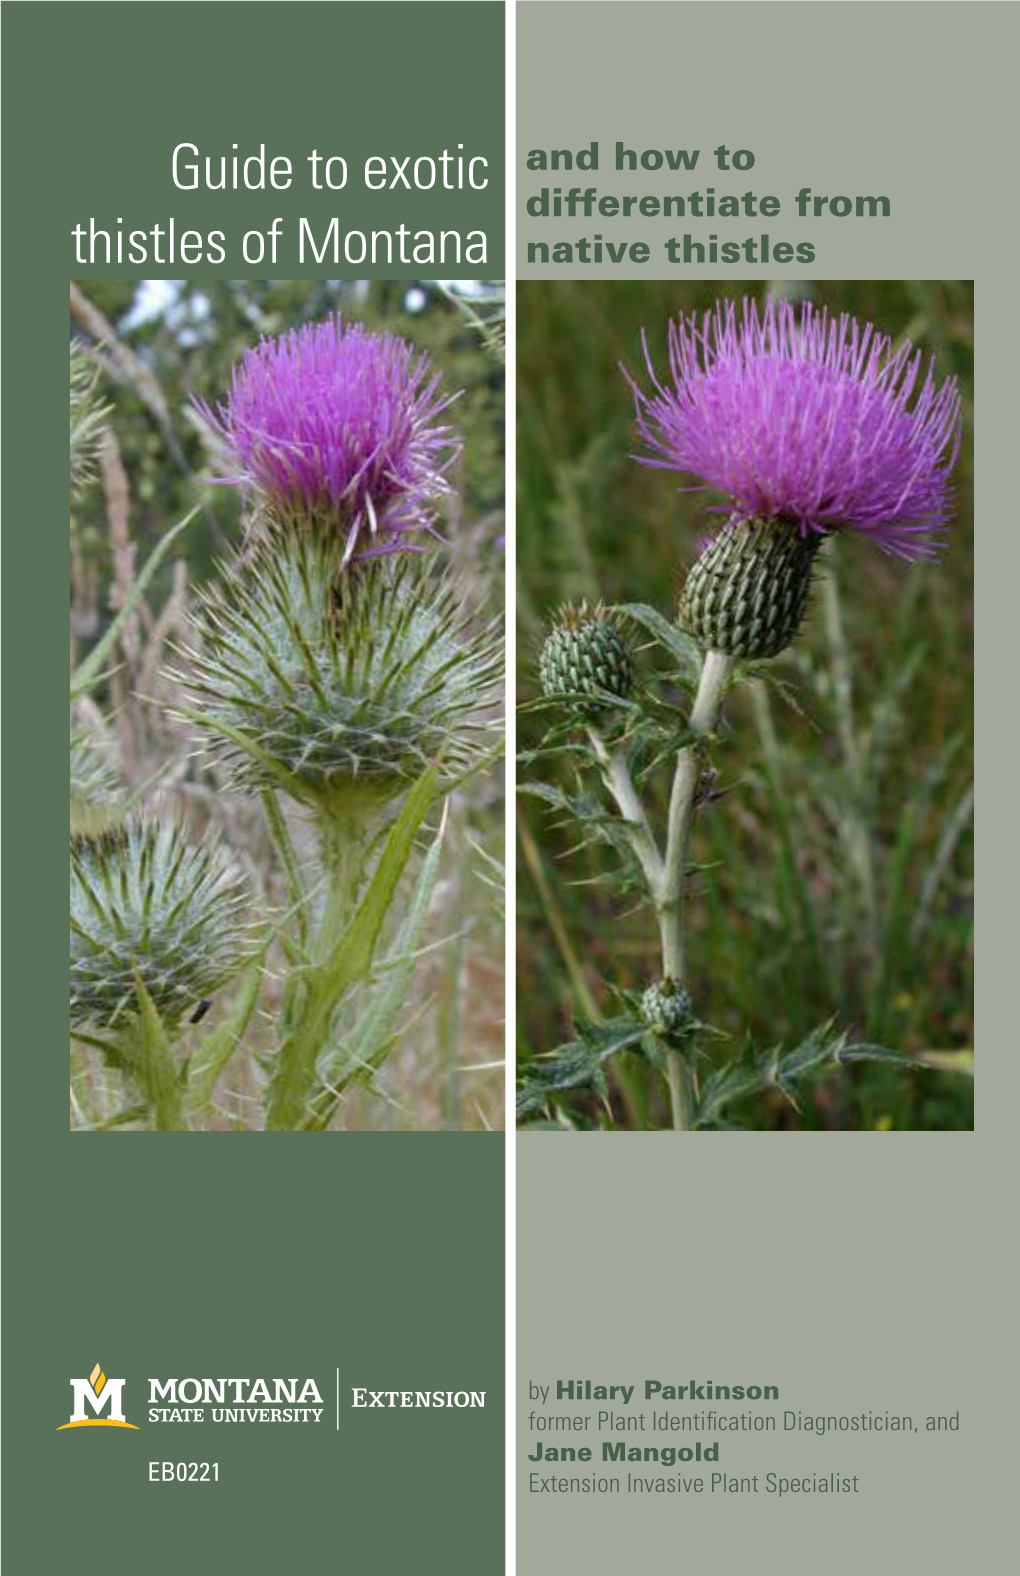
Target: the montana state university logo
(97, 1390)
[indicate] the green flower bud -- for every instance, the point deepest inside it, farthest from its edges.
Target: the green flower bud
(585, 655)
(350, 680)
(144, 898)
(745, 596)
(667, 1008)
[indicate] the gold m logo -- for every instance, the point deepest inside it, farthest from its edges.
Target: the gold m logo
(97, 1390)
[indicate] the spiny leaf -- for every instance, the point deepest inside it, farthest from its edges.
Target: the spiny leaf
(961, 1062)
(582, 806)
(481, 764)
(873, 1053)
(577, 1064)
(112, 1052)
(572, 750)
(601, 824)
(822, 1050)
(671, 637)
(132, 1113)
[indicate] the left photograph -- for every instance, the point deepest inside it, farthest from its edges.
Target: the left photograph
(286, 705)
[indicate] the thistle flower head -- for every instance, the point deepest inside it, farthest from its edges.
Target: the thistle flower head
(815, 421)
(145, 899)
(667, 1008)
(345, 679)
(586, 659)
(340, 428)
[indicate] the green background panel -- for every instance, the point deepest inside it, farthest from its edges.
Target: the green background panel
(275, 1257)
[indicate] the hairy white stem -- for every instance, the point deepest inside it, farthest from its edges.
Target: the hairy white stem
(617, 778)
(665, 875)
(679, 1105)
(715, 676)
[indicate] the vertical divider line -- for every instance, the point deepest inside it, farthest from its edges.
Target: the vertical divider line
(510, 1136)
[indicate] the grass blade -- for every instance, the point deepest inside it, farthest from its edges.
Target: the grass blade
(89, 672)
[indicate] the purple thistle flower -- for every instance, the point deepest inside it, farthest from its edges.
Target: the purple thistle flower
(339, 427)
(815, 421)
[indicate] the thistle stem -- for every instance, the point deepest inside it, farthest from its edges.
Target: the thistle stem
(715, 676)
(151, 1064)
(617, 778)
(344, 842)
(169, 1112)
(344, 839)
(664, 875)
(675, 1074)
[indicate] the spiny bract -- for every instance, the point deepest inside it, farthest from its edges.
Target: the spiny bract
(585, 660)
(145, 898)
(746, 595)
(339, 677)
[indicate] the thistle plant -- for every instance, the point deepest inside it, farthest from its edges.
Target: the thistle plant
(333, 670)
(336, 674)
(809, 427)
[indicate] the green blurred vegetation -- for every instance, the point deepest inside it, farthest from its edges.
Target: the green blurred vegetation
(835, 878)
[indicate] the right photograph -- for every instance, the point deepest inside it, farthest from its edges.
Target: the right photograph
(745, 733)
